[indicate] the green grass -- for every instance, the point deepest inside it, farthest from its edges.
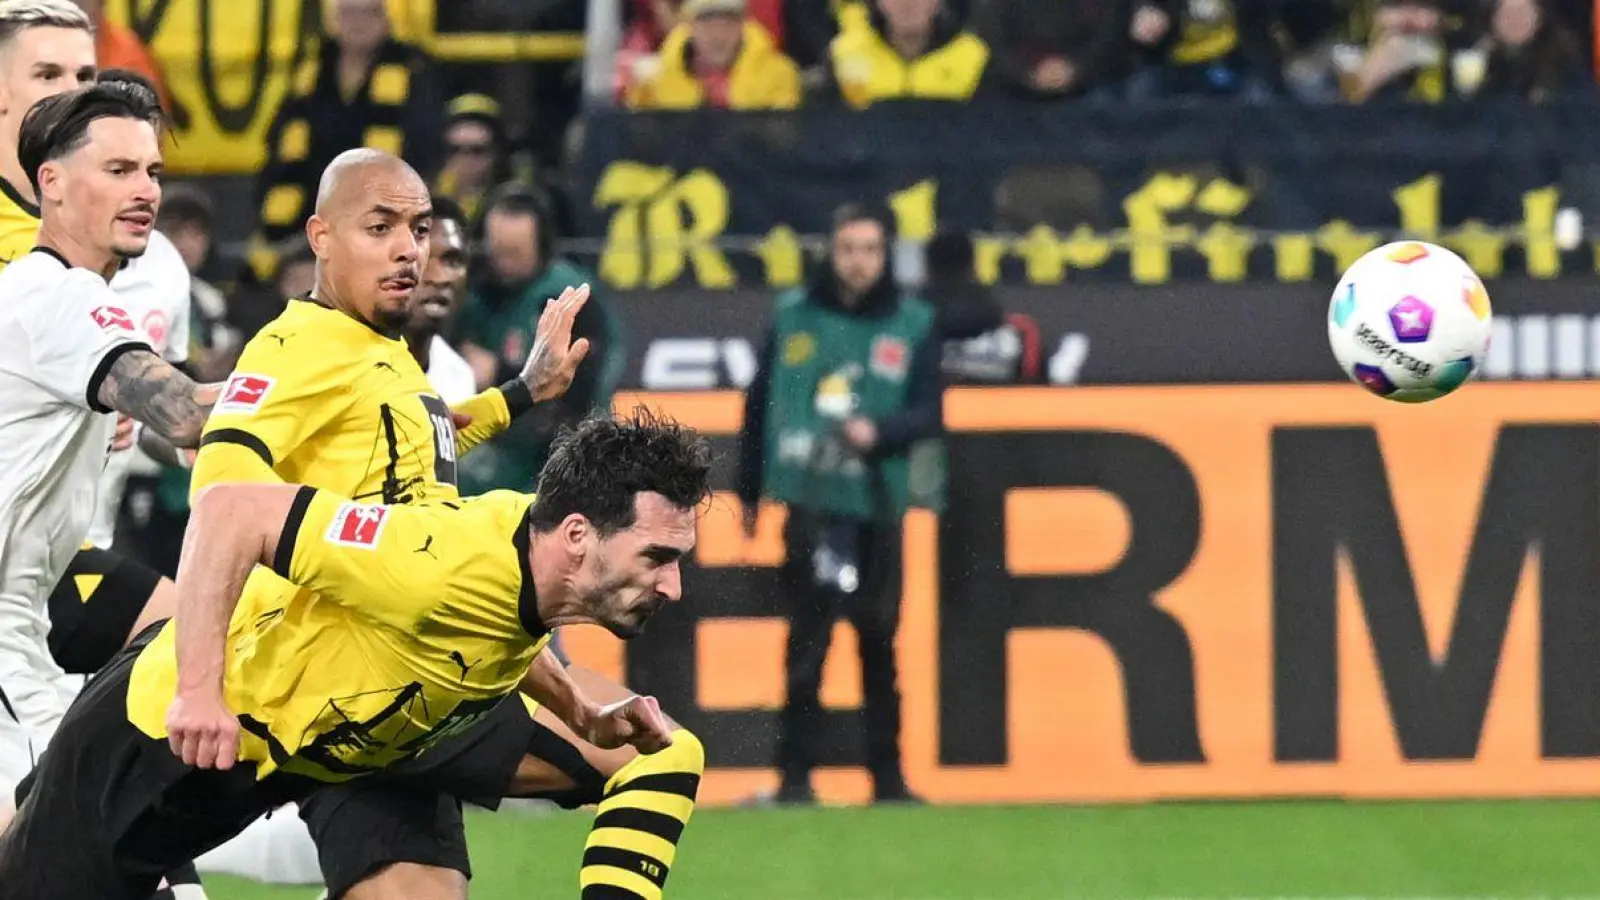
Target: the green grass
(1256, 850)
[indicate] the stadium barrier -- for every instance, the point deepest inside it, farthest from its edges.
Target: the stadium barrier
(1192, 592)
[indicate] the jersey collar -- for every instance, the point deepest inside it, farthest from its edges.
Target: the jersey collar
(15, 196)
(528, 596)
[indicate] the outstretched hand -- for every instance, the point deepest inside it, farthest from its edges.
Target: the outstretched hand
(636, 720)
(555, 356)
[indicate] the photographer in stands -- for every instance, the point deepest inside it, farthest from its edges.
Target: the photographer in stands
(841, 424)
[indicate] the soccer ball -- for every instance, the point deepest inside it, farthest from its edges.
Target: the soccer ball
(1409, 321)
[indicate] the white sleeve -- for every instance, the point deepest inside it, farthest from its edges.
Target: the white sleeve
(173, 287)
(177, 349)
(75, 335)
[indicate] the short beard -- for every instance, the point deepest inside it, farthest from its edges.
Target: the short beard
(392, 324)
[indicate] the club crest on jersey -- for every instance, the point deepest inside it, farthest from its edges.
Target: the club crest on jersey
(358, 525)
(155, 328)
(112, 318)
(244, 393)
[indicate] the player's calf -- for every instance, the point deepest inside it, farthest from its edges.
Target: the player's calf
(645, 800)
(647, 804)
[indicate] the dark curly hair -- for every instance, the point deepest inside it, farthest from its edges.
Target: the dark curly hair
(56, 126)
(598, 467)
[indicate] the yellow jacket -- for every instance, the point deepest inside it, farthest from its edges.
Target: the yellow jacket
(868, 69)
(762, 77)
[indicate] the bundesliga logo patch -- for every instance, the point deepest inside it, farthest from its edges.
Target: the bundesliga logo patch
(890, 358)
(112, 318)
(356, 525)
(244, 394)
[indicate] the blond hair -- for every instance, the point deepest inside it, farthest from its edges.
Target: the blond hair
(17, 16)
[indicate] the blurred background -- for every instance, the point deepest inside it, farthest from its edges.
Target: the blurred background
(1075, 514)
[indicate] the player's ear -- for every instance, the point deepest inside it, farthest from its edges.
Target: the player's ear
(50, 177)
(317, 233)
(575, 529)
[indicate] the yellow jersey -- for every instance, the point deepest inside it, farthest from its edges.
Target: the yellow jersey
(19, 224)
(409, 625)
(322, 399)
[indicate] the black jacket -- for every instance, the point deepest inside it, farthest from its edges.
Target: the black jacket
(1092, 34)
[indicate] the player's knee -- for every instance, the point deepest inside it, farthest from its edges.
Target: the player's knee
(410, 881)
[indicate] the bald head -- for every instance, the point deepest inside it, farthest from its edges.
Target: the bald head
(370, 235)
(358, 171)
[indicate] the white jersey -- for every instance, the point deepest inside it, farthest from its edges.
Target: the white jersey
(60, 330)
(154, 290)
(449, 373)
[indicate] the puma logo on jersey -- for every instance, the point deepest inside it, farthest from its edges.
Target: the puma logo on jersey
(244, 394)
(461, 662)
(357, 525)
(427, 547)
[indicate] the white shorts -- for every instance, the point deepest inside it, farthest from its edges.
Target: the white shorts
(31, 707)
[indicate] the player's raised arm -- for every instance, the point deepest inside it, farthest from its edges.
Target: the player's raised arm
(232, 529)
(548, 373)
(141, 384)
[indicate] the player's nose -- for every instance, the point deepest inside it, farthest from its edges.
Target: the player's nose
(670, 582)
(147, 190)
(406, 246)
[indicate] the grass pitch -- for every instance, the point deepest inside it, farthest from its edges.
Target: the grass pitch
(1521, 849)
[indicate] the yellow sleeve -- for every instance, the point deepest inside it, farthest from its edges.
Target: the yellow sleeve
(280, 393)
(18, 234)
(387, 563)
(491, 412)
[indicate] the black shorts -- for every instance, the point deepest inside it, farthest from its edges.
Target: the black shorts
(412, 813)
(112, 810)
(94, 606)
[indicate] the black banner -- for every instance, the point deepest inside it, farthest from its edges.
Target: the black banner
(1213, 191)
(1127, 334)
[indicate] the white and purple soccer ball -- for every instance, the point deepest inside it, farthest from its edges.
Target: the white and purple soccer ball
(1410, 321)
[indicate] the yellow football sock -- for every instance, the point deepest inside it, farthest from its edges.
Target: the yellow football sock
(635, 835)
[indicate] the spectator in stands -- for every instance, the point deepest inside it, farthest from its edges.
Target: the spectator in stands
(981, 343)
(118, 47)
(845, 405)
(477, 153)
(495, 332)
(913, 49)
(649, 21)
(719, 58)
(1205, 47)
(298, 274)
(362, 88)
(1531, 54)
(214, 341)
(1049, 49)
(1407, 55)
(963, 307)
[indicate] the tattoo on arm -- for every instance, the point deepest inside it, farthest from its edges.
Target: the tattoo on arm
(145, 386)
